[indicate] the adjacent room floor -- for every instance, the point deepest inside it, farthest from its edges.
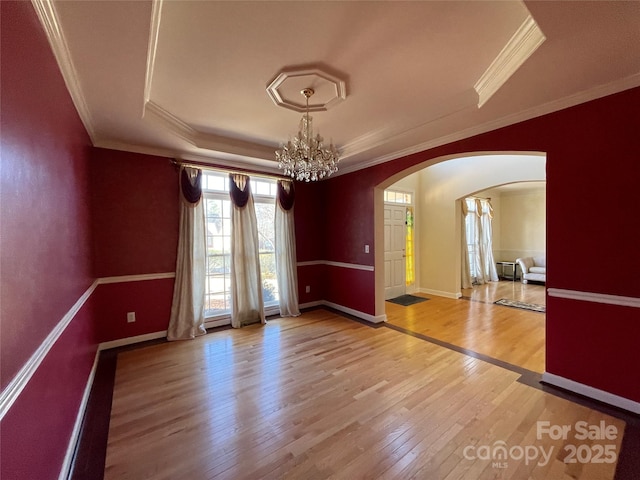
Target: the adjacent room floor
(474, 323)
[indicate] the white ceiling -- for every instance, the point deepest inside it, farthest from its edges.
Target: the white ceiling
(188, 79)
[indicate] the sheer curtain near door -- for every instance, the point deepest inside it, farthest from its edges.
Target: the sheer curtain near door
(246, 288)
(187, 309)
(478, 265)
(285, 246)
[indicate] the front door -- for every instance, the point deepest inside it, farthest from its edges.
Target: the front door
(394, 250)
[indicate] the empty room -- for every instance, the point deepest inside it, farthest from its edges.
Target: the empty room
(319, 239)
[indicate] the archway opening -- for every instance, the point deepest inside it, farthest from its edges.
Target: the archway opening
(439, 186)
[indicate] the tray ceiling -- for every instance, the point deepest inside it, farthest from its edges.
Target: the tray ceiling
(190, 79)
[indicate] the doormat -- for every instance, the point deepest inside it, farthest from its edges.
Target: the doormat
(523, 305)
(406, 300)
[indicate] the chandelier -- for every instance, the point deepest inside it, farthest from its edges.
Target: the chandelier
(305, 157)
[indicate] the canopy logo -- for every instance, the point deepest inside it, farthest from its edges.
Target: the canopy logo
(499, 453)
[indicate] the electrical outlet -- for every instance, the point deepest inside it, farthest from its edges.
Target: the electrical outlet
(366, 249)
(131, 317)
(307, 289)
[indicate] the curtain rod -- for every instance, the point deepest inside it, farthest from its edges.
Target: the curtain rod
(213, 168)
(478, 198)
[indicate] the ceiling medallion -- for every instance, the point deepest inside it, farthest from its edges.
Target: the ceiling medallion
(329, 89)
(305, 157)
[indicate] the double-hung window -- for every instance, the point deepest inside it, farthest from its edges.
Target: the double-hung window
(215, 187)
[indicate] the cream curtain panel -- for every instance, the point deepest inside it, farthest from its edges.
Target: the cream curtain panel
(478, 264)
(489, 271)
(246, 285)
(285, 246)
(187, 309)
(466, 268)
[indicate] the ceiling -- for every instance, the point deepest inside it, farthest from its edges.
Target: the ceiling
(189, 79)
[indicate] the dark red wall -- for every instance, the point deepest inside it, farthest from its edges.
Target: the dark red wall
(45, 247)
(135, 213)
(592, 183)
(135, 231)
(309, 213)
(350, 225)
(310, 222)
(36, 431)
(149, 299)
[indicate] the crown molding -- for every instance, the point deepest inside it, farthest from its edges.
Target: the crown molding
(588, 95)
(170, 122)
(518, 49)
(48, 17)
(250, 165)
(217, 144)
(135, 148)
(154, 31)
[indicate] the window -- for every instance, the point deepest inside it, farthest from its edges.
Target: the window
(473, 239)
(405, 198)
(478, 228)
(215, 186)
(395, 196)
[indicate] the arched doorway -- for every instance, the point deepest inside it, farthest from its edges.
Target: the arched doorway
(473, 324)
(446, 180)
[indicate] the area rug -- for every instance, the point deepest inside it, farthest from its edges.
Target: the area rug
(406, 300)
(523, 305)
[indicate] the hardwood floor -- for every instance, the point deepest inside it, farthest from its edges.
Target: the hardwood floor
(321, 396)
(512, 335)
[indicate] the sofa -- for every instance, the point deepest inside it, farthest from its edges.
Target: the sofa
(533, 269)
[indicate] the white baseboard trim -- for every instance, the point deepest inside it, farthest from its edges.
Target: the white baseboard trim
(440, 293)
(357, 313)
(17, 384)
(121, 342)
(595, 297)
(317, 303)
(591, 392)
(75, 433)
(221, 322)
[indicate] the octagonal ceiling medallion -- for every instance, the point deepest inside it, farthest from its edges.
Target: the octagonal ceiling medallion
(285, 89)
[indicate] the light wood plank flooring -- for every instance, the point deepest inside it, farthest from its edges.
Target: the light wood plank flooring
(321, 396)
(512, 335)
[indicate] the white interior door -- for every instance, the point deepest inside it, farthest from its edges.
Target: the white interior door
(394, 250)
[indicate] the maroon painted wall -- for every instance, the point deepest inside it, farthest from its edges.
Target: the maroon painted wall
(592, 182)
(149, 299)
(135, 213)
(135, 219)
(310, 222)
(45, 247)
